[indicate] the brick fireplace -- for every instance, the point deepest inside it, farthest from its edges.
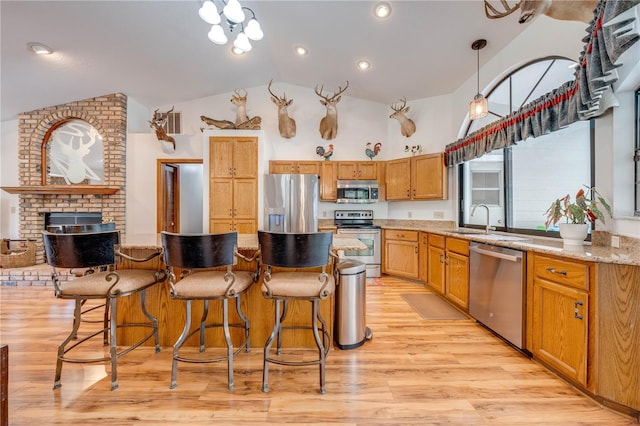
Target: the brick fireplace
(108, 115)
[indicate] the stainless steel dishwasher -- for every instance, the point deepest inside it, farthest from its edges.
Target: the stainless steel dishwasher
(497, 289)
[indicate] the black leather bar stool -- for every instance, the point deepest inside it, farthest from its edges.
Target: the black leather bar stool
(188, 258)
(296, 251)
(98, 250)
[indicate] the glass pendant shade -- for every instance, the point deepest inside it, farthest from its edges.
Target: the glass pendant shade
(233, 11)
(209, 13)
(217, 35)
(242, 42)
(478, 107)
(253, 30)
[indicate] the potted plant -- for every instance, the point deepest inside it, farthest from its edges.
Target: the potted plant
(587, 208)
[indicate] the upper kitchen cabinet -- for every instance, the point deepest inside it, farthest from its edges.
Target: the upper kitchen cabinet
(233, 157)
(328, 176)
(295, 167)
(423, 177)
(233, 184)
(357, 170)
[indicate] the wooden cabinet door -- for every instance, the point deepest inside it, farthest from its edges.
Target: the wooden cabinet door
(245, 226)
(401, 258)
(435, 268)
(347, 170)
(245, 203)
(428, 177)
(457, 279)
(245, 158)
(328, 178)
(221, 157)
(221, 199)
(281, 167)
(398, 179)
(423, 252)
(367, 170)
(308, 167)
(560, 328)
(220, 226)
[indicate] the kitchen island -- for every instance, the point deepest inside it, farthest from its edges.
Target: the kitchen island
(260, 311)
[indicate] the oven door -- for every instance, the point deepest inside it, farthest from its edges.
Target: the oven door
(371, 256)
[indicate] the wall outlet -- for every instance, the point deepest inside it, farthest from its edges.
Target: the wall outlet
(409, 215)
(438, 215)
(615, 241)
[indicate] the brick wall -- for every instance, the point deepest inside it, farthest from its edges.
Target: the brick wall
(108, 114)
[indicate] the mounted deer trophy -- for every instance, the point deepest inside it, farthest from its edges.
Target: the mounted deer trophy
(242, 120)
(407, 126)
(567, 10)
(158, 123)
(329, 123)
(286, 124)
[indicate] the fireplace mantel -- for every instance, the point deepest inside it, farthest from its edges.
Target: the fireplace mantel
(62, 189)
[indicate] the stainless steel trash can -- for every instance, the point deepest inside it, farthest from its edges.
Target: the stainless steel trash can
(350, 327)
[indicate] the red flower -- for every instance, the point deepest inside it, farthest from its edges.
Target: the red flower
(591, 216)
(580, 194)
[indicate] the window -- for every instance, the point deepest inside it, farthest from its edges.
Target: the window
(636, 157)
(519, 183)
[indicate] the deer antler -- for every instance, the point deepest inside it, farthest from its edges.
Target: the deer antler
(397, 109)
(493, 13)
(239, 95)
(327, 98)
(284, 95)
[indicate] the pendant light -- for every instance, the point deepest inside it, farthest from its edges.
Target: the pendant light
(478, 107)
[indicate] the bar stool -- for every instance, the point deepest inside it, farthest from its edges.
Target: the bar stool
(82, 228)
(193, 254)
(296, 251)
(98, 250)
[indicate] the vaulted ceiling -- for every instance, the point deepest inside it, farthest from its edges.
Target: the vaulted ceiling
(158, 52)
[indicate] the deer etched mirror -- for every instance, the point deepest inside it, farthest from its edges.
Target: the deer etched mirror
(72, 153)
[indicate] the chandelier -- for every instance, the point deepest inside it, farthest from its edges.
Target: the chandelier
(233, 14)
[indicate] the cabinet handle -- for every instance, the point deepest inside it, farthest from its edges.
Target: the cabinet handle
(414, 192)
(235, 212)
(553, 271)
(576, 313)
(230, 212)
(408, 193)
(442, 258)
(234, 171)
(230, 171)
(415, 249)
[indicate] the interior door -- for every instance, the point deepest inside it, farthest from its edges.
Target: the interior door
(170, 214)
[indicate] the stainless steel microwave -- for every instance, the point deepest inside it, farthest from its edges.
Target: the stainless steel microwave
(357, 191)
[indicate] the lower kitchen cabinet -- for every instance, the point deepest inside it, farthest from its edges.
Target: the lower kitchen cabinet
(401, 253)
(457, 271)
(560, 315)
(448, 268)
(435, 262)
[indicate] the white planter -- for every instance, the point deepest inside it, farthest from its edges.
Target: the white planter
(573, 234)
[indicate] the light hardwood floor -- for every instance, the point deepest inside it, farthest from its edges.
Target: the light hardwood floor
(412, 372)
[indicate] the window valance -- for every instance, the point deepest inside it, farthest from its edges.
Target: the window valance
(614, 29)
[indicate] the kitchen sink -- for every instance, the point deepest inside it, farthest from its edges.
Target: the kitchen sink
(498, 237)
(466, 231)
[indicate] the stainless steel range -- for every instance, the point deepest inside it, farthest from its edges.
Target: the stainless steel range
(359, 224)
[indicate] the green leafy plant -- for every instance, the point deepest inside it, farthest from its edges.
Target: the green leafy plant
(588, 206)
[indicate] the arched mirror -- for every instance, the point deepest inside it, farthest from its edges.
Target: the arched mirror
(72, 154)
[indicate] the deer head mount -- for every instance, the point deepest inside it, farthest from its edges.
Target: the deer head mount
(329, 123)
(243, 122)
(407, 126)
(567, 10)
(158, 123)
(286, 124)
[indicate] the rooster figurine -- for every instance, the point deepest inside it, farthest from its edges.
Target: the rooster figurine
(326, 154)
(372, 152)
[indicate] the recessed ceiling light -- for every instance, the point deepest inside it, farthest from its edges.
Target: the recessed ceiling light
(382, 10)
(40, 48)
(364, 65)
(237, 51)
(302, 51)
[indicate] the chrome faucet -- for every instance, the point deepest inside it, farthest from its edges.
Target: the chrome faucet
(488, 227)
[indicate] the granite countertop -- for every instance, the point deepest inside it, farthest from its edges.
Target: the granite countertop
(594, 253)
(245, 242)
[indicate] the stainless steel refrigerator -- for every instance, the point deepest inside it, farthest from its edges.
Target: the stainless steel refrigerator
(291, 203)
